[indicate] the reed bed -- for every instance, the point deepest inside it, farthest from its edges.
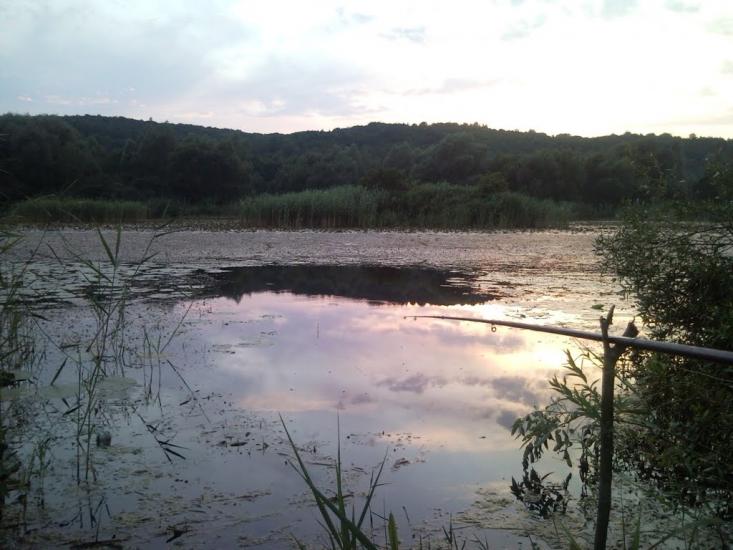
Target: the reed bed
(420, 206)
(77, 210)
(429, 206)
(337, 207)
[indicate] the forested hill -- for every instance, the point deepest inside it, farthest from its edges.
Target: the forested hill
(121, 158)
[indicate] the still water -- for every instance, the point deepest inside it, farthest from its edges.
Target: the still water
(323, 329)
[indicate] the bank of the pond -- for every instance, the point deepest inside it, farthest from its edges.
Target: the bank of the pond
(423, 206)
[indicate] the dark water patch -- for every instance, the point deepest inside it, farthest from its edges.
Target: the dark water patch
(371, 283)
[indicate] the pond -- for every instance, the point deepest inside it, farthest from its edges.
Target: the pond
(223, 332)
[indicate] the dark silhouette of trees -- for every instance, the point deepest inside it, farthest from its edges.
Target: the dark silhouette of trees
(115, 157)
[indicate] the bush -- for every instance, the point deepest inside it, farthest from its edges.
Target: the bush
(681, 277)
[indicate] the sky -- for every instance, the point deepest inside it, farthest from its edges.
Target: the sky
(584, 67)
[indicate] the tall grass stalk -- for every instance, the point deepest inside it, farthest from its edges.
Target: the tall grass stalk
(19, 358)
(27, 441)
(16, 349)
(344, 532)
(71, 210)
(346, 206)
(427, 205)
(421, 206)
(107, 353)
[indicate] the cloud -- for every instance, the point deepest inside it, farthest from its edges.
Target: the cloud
(510, 388)
(508, 63)
(524, 28)
(361, 399)
(617, 8)
(683, 6)
(288, 86)
(411, 34)
(722, 25)
(727, 67)
(723, 119)
(82, 101)
(76, 53)
(514, 388)
(454, 85)
(352, 18)
(417, 383)
(707, 91)
(506, 418)
(188, 63)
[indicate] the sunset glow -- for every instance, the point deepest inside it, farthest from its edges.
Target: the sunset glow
(586, 67)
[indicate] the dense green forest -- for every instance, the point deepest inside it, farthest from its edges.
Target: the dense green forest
(130, 160)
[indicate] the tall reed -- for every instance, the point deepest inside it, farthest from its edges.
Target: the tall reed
(347, 206)
(422, 206)
(71, 210)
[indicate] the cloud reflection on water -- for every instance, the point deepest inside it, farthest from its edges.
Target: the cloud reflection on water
(450, 382)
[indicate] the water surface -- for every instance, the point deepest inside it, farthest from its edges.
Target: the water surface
(320, 328)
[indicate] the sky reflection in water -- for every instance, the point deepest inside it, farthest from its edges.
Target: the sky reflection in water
(444, 394)
(451, 382)
(313, 342)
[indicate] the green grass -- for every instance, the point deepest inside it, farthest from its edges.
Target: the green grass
(428, 205)
(421, 206)
(70, 210)
(346, 206)
(344, 532)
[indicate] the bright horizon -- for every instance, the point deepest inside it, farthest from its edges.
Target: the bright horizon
(581, 67)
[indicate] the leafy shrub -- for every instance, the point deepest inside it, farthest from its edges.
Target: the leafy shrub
(681, 276)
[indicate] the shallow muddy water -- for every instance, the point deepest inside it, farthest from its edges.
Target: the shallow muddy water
(319, 328)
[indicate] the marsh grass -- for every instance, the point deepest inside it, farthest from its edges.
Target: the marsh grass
(420, 206)
(19, 356)
(427, 205)
(344, 532)
(108, 352)
(75, 210)
(109, 212)
(347, 529)
(94, 356)
(345, 206)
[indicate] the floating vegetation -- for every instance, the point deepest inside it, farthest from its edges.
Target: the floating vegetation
(541, 496)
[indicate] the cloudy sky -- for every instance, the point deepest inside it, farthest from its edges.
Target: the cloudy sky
(587, 67)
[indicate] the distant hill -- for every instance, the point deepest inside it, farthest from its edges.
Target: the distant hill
(117, 157)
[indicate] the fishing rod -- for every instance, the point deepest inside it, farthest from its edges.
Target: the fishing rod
(695, 352)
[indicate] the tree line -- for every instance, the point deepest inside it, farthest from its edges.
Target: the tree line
(124, 159)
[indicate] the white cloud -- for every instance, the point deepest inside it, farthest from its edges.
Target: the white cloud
(685, 6)
(577, 66)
